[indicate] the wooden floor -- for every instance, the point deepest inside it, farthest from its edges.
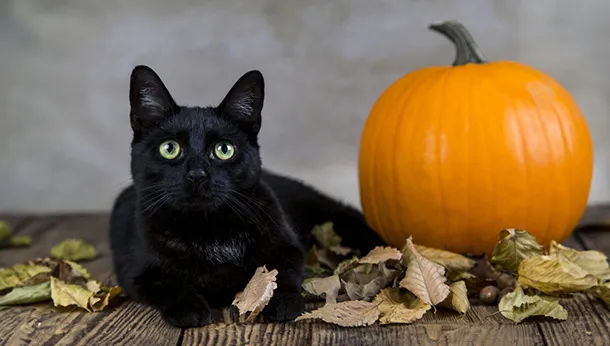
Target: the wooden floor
(133, 324)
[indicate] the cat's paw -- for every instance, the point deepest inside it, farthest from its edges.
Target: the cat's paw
(187, 315)
(284, 306)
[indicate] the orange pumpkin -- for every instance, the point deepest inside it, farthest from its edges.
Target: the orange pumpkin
(453, 154)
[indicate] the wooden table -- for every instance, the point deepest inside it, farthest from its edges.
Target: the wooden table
(134, 324)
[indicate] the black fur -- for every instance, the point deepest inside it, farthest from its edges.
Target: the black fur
(190, 231)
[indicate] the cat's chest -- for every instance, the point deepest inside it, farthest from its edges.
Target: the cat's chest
(223, 251)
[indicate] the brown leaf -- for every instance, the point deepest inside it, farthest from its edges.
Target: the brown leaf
(514, 246)
(450, 260)
(424, 278)
(398, 306)
(553, 275)
(381, 254)
(458, 298)
(328, 286)
(104, 297)
(257, 294)
(355, 313)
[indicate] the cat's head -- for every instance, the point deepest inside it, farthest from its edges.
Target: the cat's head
(195, 158)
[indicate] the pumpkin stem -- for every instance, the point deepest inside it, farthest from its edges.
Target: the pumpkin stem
(467, 50)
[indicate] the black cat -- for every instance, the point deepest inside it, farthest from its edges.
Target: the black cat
(202, 214)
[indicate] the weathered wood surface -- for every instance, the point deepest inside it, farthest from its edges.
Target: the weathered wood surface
(133, 324)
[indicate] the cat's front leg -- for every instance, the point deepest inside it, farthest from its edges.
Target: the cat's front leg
(287, 302)
(180, 304)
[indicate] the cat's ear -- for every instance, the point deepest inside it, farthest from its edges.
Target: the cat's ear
(150, 100)
(244, 102)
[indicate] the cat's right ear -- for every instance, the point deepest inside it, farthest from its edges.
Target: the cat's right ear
(150, 100)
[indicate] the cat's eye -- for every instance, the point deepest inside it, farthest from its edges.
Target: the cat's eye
(224, 150)
(169, 150)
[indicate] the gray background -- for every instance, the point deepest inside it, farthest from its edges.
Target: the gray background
(64, 68)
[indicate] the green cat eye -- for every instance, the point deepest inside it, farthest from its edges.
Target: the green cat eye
(169, 150)
(224, 150)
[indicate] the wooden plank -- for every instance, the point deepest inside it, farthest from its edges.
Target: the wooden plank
(588, 323)
(596, 239)
(128, 324)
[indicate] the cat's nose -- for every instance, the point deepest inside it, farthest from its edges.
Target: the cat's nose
(197, 177)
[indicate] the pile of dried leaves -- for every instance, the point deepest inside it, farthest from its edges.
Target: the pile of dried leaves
(400, 286)
(58, 279)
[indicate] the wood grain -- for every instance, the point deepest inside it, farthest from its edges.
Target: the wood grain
(134, 324)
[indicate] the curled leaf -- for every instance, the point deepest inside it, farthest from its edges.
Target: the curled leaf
(328, 286)
(514, 246)
(398, 306)
(74, 250)
(381, 254)
(517, 306)
(424, 278)
(457, 298)
(326, 236)
(594, 262)
(365, 281)
(27, 294)
(354, 313)
(257, 294)
(453, 262)
(553, 275)
(602, 292)
(104, 297)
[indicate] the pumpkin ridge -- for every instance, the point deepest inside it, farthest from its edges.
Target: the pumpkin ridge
(551, 150)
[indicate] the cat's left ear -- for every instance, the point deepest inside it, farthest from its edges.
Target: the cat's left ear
(244, 102)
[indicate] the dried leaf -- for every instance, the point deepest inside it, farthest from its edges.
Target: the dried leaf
(5, 230)
(514, 246)
(424, 278)
(346, 314)
(8, 240)
(517, 306)
(18, 274)
(64, 294)
(458, 298)
(602, 292)
(27, 294)
(316, 270)
(594, 262)
(450, 260)
(257, 294)
(326, 236)
(398, 306)
(381, 254)
(340, 250)
(365, 281)
(346, 265)
(104, 297)
(74, 250)
(553, 275)
(328, 286)
(79, 270)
